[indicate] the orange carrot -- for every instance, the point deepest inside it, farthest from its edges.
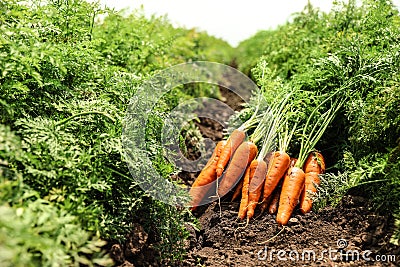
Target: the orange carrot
(294, 181)
(292, 186)
(244, 202)
(238, 191)
(245, 153)
(273, 206)
(206, 177)
(235, 139)
(292, 162)
(265, 202)
(314, 165)
(315, 162)
(268, 157)
(279, 163)
(245, 194)
(273, 200)
(256, 185)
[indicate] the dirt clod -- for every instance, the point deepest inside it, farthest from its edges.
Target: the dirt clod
(135, 241)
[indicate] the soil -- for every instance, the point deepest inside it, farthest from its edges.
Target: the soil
(333, 235)
(350, 234)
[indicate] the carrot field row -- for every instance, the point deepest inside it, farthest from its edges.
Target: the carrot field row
(323, 122)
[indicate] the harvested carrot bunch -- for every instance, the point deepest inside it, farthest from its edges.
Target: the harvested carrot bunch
(234, 150)
(268, 177)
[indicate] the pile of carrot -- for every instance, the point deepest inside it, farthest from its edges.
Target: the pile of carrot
(235, 151)
(267, 177)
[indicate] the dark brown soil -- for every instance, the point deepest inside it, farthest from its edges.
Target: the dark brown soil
(348, 235)
(224, 241)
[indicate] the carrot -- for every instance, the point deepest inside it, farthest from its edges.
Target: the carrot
(274, 197)
(292, 186)
(256, 185)
(235, 139)
(245, 153)
(315, 162)
(277, 168)
(279, 161)
(254, 179)
(315, 165)
(292, 162)
(245, 194)
(238, 191)
(206, 177)
(265, 202)
(294, 181)
(273, 206)
(248, 180)
(268, 157)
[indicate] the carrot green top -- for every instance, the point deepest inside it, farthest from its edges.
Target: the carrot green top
(311, 138)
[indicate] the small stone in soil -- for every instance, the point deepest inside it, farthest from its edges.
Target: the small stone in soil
(238, 251)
